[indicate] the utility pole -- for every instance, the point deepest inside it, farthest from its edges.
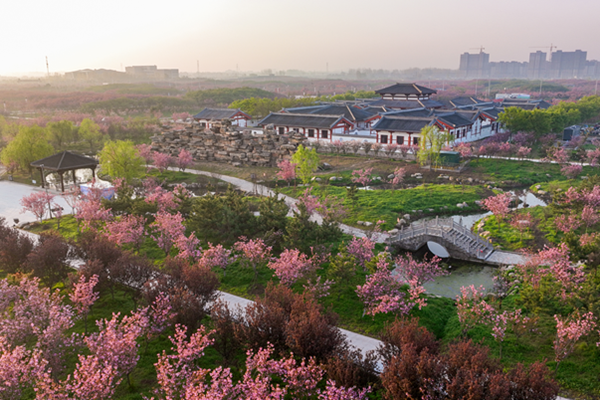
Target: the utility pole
(595, 90)
(47, 67)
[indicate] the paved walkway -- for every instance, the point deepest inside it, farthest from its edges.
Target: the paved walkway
(10, 195)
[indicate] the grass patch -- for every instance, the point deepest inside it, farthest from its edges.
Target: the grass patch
(388, 205)
(520, 172)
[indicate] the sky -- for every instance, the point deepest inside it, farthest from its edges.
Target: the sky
(311, 35)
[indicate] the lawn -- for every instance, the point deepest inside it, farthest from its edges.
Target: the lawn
(389, 205)
(505, 172)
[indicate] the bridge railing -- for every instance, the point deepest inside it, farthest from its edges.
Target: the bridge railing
(443, 227)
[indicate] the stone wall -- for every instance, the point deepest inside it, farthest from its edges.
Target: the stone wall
(223, 143)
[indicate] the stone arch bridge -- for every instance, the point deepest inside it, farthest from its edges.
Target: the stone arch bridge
(458, 240)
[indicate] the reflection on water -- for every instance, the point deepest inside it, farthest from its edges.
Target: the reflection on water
(449, 286)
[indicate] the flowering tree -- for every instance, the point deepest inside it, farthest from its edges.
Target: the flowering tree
(91, 380)
(287, 171)
(310, 201)
(145, 151)
(216, 256)
(167, 229)
(189, 247)
(37, 203)
(128, 229)
(555, 262)
(291, 266)
(83, 296)
(253, 252)
(567, 223)
(589, 216)
(362, 176)
(464, 149)
(571, 171)
(179, 378)
(473, 310)
(569, 331)
(71, 197)
(162, 161)
(399, 174)
(18, 368)
(361, 249)
(498, 204)
(382, 292)
(184, 160)
(91, 210)
(523, 151)
(33, 315)
(164, 199)
(116, 343)
(390, 149)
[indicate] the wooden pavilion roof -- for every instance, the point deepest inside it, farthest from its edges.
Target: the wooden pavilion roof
(65, 161)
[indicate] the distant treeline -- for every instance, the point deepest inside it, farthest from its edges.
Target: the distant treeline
(553, 119)
(260, 107)
(190, 102)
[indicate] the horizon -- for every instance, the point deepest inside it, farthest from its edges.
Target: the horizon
(233, 35)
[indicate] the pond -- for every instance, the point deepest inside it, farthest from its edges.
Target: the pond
(462, 275)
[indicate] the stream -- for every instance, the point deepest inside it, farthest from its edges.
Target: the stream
(465, 274)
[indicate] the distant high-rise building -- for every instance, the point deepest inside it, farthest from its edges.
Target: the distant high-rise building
(475, 65)
(537, 65)
(151, 72)
(567, 64)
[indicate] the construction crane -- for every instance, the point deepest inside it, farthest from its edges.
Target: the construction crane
(546, 47)
(480, 48)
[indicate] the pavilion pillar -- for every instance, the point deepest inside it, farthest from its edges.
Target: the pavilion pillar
(74, 179)
(42, 175)
(62, 182)
(94, 173)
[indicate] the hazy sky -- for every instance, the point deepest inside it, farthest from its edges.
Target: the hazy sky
(280, 34)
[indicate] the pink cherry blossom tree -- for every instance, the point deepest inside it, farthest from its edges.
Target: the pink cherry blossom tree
(164, 199)
(189, 247)
(184, 160)
(362, 250)
(145, 151)
(162, 161)
(127, 229)
(398, 178)
(116, 343)
(567, 223)
(166, 230)
(216, 256)
(555, 262)
(253, 252)
(362, 176)
(287, 171)
(589, 216)
(83, 296)
(291, 266)
(37, 203)
(18, 369)
(498, 204)
(311, 202)
(523, 152)
(569, 331)
(91, 380)
(571, 171)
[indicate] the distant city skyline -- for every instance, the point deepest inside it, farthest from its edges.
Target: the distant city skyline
(212, 36)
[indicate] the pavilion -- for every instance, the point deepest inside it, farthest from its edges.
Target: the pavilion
(64, 162)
